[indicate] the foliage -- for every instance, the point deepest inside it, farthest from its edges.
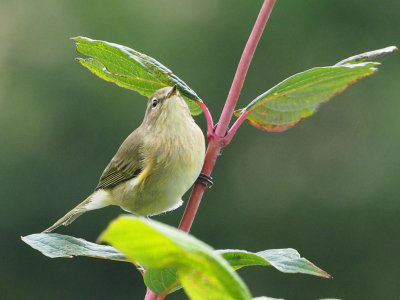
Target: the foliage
(168, 254)
(131, 69)
(300, 95)
(168, 257)
(172, 257)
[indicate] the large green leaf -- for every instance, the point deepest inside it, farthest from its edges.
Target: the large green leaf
(203, 273)
(131, 69)
(300, 95)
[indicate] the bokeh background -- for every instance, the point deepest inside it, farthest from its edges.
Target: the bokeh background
(328, 188)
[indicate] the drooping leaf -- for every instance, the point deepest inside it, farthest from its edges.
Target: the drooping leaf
(57, 245)
(300, 95)
(131, 69)
(203, 273)
(284, 260)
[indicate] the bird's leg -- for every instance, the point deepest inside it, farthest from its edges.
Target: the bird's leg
(205, 180)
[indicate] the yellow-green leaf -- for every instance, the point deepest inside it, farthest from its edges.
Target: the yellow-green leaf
(203, 273)
(284, 260)
(300, 95)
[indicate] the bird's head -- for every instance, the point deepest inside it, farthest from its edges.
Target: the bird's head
(166, 106)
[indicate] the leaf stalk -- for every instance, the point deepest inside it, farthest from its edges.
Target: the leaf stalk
(235, 127)
(210, 123)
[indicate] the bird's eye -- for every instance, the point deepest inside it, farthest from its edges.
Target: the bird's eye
(155, 102)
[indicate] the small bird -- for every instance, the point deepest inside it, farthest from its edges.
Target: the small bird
(156, 164)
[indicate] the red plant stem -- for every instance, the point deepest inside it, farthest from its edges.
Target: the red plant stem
(210, 123)
(217, 139)
(234, 127)
(150, 295)
(243, 66)
(198, 189)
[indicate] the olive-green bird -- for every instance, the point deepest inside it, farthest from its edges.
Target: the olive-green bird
(154, 166)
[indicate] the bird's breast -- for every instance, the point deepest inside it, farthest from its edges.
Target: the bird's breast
(173, 162)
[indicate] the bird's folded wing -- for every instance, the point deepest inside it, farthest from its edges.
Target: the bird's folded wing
(126, 164)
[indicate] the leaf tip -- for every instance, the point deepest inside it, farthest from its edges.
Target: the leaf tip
(324, 274)
(368, 56)
(77, 39)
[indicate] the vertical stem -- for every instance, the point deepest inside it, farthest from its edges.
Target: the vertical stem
(218, 140)
(150, 295)
(243, 66)
(198, 189)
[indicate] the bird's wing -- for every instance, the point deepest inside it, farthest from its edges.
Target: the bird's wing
(126, 164)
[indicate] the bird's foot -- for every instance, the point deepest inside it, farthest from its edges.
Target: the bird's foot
(205, 180)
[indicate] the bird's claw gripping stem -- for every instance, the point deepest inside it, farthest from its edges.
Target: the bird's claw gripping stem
(205, 180)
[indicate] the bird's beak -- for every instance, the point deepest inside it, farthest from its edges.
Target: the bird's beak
(172, 92)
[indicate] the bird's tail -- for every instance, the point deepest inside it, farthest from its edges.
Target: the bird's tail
(94, 201)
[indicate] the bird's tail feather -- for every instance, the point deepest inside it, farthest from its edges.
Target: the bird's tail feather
(90, 203)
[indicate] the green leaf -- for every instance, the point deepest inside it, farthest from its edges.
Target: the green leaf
(131, 69)
(367, 55)
(165, 280)
(300, 95)
(203, 273)
(162, 281)
(57, 245)
(284, 260)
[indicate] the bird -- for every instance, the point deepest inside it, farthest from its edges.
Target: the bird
(155, 165)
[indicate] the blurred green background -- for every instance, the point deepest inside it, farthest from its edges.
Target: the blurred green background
(328, 188)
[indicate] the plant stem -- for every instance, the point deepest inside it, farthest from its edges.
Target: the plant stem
(210, 123)
(217, 139)
(150, 295)
(243, 66)
(234, 127)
